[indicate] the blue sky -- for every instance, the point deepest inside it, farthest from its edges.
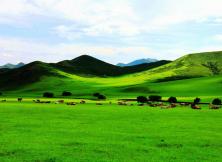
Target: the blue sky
(111, 30)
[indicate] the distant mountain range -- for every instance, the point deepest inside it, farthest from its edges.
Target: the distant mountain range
(12, 66)
(138, 62)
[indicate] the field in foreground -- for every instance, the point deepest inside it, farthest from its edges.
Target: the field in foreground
(49, 133)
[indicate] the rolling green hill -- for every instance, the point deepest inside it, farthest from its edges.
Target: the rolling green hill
(85, 66)
(192, 75)
(31, 73)
(195, 65)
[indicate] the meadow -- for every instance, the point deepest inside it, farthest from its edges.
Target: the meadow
(50, 132)
(34, 132)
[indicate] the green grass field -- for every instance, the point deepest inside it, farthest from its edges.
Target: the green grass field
(49, 133)
(60, 133)
(207, 88)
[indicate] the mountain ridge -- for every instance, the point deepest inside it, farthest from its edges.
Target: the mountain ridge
(83, 65)
(137, 62)
(193, 69)
(12, 66)
(89, 65)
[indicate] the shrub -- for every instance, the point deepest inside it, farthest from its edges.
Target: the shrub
(96, 94)
(172, 100)
(65, 93)
(155, 98)
(196, 100)
(101, 97)
(141, 99)
(48, 94)
(1, 93)
(216, 101)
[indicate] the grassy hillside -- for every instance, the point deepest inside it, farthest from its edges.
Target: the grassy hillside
(87, 66)
(191, 75)
(84, 66)
(194, 65)
(26, 75)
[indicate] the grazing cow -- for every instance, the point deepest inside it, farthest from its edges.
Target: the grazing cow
(164, 107)
(160, 104)
(173, 105)
(82, 102)
(214, 107)
(122, 103)
(19, 99)
(184, 104)
(153, 105)
(71, 103)
(37, 101)
(196, 107)
(61, 101)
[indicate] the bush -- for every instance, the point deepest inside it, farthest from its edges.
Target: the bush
(48, 94)
(1, 93)
(196, 100)
(155, 98)
(216, 101)
(96, 94)
(172, 100)
(101, 97)
(141, 99)
(65, 93)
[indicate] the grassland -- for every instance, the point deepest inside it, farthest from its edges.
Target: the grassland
(198, 80)
(207, 88)
(49, 133)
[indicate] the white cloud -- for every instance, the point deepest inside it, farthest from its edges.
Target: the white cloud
(192, 11)
(116, 17)
(218, 37)
(18, 50)
(122, 19)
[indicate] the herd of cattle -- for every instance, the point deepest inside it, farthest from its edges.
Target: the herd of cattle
(124, 103)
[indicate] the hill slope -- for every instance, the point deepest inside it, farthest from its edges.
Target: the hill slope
(27, 74)
(83, 65)
(70, 75)
(87, 65)
(194, 65)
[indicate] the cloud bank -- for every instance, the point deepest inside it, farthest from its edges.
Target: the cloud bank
(114, 30)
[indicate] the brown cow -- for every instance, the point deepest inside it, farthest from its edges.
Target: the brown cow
(61, 101)
(71, 103)
(82, 102)
(196, 107)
